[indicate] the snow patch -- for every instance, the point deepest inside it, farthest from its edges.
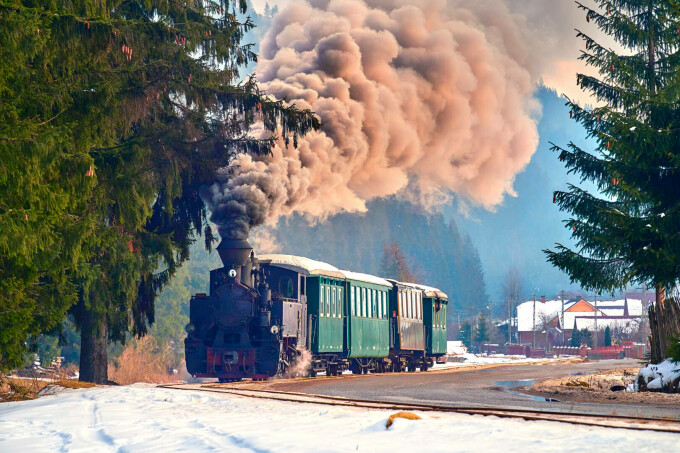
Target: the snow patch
(664, 376)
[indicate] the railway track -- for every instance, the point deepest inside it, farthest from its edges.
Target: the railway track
(608, 421)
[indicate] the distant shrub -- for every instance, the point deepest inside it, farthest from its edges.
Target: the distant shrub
(143, 360)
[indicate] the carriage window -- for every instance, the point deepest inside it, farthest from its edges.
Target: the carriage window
(368, 303)
(407, 308)
(382, 306)
(384, 301)
(414, 306)
(419, 304)
(303, 285)
(362, 301)
(374, 303)
(321, 302)
(402, 304)
(333, 302)
(341, 303)
(352, 308)
(328, 300)
(409, 305)
(378, 303)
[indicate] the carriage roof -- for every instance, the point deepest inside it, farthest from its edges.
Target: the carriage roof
(428, 290)
(302, 265)
(307, 266)
(433, 292)
(367, 278)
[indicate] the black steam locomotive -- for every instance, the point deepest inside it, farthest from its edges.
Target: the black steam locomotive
(265, 317)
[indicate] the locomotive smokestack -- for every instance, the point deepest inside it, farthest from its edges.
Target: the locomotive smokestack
(234, 252)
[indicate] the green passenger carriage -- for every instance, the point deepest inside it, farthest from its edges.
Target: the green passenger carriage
(435, 304)
(367, 334)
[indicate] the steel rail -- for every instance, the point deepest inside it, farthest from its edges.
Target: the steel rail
(586, 419)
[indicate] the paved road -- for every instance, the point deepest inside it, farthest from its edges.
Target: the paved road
(478, 388)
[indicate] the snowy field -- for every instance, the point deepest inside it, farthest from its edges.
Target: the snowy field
(474, 359)
(142, 418)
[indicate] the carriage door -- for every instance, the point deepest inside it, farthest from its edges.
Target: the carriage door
(304, 334)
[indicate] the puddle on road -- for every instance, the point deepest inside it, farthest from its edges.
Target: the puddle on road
(519, 383)
(509, 385)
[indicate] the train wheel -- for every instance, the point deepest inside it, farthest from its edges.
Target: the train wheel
(423, 366)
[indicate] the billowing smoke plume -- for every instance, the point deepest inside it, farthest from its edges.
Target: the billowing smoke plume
(425, 97)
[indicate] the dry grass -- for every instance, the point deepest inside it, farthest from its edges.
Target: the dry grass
(142, 361)
(601, 380)
(21, 388)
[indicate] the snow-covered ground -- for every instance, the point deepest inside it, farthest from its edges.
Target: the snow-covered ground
(149, 419)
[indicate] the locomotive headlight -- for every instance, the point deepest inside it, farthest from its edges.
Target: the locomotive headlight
(190, 328)
(232, 273)
(274, 330)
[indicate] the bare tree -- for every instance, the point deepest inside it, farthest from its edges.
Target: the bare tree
(512, 291)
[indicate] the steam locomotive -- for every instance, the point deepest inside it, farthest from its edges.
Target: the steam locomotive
(274, 315)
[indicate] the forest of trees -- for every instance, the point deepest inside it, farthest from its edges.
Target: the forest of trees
(114, 114)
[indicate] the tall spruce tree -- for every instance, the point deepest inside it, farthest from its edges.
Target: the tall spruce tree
(113, 115)
(629, 231)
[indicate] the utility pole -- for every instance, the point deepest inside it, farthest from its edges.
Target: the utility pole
(562, 322)
(473, 326)
(509, 320)
(534, 321)
(645, 315)
(595, 320)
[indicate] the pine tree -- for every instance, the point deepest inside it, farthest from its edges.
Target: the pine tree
(109, 125)
(575, 340)
(607, 336)
(627, 232)
(481, 329)
(464, 334)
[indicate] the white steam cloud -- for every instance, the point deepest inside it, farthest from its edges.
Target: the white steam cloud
(430, 96)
